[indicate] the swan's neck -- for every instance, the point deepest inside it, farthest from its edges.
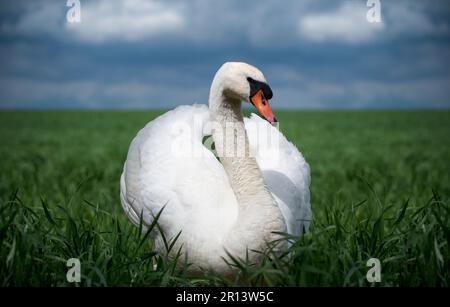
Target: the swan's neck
(259, 215)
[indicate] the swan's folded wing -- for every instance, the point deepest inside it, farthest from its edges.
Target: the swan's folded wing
(168, 167)
(285, 171)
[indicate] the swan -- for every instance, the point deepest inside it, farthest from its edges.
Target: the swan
(218, 202)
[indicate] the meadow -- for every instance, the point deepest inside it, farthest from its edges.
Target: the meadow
(380, 188)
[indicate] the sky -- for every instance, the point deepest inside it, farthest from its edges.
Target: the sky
(140, 54)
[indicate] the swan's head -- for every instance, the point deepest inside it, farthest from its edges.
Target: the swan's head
(243, 82)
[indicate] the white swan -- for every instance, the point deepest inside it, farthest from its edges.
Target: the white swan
(235, 204)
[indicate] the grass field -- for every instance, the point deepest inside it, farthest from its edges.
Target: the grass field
(380, 188)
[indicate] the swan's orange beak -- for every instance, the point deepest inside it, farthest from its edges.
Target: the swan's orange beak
(262, 105)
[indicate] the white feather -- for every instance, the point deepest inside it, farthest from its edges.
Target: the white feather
(169, 167)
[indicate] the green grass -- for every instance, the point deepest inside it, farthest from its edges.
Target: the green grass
(380, 188)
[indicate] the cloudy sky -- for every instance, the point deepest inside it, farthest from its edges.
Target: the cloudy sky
(159, 54)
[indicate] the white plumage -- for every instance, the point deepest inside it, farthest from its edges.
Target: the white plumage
(217, 205)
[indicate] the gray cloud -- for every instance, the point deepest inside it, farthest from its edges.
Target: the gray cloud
(316, 54)
(203, 20)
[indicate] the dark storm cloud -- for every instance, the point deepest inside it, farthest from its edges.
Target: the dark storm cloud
(315, 54)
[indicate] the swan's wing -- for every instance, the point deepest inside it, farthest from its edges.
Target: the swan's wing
(285, 171)
(168, 166)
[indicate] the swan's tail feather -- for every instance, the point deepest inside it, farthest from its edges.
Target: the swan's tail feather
(125, 201)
